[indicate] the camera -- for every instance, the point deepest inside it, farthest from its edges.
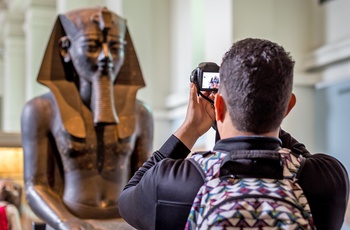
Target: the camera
(206, 76)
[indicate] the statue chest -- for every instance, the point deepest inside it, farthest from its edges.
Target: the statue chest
(101, 150)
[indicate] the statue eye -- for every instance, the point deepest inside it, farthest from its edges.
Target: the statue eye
(91, 46)
(115, 47)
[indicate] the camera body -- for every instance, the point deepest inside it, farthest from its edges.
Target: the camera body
(206, 76)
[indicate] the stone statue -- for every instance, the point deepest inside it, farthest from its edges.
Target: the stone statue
(84, 139)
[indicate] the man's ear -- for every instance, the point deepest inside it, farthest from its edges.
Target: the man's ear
(64, 46)
(220, 107)
(291, 104)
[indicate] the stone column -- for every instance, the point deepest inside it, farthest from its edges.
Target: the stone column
(114, 5)
(218, 38)
(67, 5)
(14, 70)
(202, 31)
(1, 79)
(40, 17)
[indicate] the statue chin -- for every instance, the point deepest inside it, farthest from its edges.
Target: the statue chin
(102, 101)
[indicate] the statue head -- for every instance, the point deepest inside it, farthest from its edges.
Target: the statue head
(91, 53)
(94, 43)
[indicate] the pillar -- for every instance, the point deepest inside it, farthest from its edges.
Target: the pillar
(14, 71)
(1, 78)
(202, 32)
(39, 20)
(67, 5)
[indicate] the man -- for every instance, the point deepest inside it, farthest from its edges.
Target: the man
(254, 96)
(85, 138)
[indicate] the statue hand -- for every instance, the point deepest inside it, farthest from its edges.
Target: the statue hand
(75, 224)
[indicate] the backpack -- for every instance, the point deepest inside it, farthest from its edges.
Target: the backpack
(249, 203)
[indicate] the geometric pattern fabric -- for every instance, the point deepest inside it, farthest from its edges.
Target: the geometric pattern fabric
(249, 203)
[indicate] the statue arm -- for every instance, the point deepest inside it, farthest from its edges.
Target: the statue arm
(144, 143)
(39, 173)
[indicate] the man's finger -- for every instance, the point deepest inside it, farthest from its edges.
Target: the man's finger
(193, 93)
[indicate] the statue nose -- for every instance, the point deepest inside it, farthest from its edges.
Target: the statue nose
(105, 55)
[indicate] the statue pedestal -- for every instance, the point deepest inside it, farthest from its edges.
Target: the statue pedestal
(115, 224)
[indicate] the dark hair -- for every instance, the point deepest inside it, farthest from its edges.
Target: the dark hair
(256, 81)
(5, 195)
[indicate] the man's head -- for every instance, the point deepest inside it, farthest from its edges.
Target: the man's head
(256, 84)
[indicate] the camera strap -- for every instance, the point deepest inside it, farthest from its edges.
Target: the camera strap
(206, 98)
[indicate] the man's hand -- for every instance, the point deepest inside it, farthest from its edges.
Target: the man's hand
(199, 118)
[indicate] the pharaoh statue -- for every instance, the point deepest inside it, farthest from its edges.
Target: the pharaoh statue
(84, 139)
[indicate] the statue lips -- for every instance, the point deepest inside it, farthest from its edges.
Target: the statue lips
(105, 66)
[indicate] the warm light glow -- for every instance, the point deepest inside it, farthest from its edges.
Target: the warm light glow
(11, 163)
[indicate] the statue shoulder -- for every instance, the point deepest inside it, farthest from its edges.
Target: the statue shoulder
(38, 108)
(144, 109)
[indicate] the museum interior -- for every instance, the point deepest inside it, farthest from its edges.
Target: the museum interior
(170, 38)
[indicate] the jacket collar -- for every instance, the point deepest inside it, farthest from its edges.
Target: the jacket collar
(251, 157)
(248, 143)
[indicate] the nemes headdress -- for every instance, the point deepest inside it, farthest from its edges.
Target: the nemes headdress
(53, 72)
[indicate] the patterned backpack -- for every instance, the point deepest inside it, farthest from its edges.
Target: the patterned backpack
(249, 203)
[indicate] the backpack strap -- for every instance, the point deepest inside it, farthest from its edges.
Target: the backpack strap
(209, 163)
(293, 163)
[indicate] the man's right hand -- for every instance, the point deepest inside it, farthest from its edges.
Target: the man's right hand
(199, 118)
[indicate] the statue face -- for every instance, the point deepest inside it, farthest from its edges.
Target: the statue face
(92, 48)
(94, 55)
(94, 43)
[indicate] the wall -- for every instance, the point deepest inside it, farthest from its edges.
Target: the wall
(287, 23)
(329, 62)
(148, 22)
(185, 32)
(171, 37)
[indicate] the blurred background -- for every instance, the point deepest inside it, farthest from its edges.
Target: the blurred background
(171, 37)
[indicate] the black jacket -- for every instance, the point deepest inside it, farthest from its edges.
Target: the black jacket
(161, 192)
